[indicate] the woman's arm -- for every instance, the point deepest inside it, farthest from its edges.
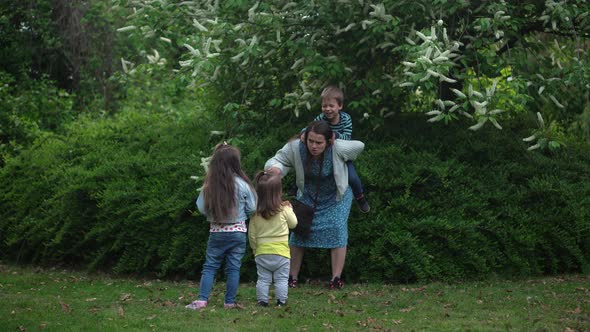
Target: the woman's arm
(282, 160)
(348, 150)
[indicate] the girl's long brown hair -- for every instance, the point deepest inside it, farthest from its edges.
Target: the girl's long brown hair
(219, 189)
(268, 189)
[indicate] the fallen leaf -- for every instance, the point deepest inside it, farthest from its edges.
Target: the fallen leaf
(42, 326)
(22, 328)
(168, 304)
(94, 310)
(397, 322)
(328, 325)
(406, 309)
(479, 302)
(578, 310)
(120, 311)
(151, 317)
(125, 297)
(91, 299)
(65, 307)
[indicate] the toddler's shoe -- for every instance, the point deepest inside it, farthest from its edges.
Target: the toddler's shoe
(336, 283)
(232, 306)
(281, 303)
(263, 304)
(196, 305)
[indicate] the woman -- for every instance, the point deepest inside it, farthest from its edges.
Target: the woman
(320, 152)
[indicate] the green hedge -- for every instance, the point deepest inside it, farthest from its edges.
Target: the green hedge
(447, 204)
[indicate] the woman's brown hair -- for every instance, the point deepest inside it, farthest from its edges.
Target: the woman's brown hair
(268, 189)
(219, 189)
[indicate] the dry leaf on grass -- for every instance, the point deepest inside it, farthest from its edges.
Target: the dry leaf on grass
(120, 311)
(65, 307)
(125, 297)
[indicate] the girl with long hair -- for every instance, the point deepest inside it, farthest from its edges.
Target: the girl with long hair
(227, 231)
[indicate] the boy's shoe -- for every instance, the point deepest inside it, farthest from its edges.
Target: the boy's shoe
(363, 204)
(196, 305)
(336, 283)
(232, 306)
(292, 282)
(281, 303)
(263, 304)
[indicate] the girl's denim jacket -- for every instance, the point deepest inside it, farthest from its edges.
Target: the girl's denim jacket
(245, 203)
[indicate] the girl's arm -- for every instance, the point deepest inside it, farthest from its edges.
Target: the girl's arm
(201, 204)
(250, 201)
(290, 216)
(252, 235)
(248, 195)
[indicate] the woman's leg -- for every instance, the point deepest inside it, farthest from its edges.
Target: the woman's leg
(338, 256)
(296, 259)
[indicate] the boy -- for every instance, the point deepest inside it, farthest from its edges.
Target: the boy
(332, 99)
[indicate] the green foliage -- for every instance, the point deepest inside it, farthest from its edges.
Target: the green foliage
(273, 58)
(29, 108)
(105, 193)
(114, 189)
(469, 205)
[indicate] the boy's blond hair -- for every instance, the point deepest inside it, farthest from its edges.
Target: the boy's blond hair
(332, 91)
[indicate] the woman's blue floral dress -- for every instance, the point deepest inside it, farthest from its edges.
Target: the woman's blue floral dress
(330, 224)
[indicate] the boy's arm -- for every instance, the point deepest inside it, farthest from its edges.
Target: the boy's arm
(346, 127)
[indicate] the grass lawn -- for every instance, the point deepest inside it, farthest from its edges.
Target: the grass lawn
(60, 300)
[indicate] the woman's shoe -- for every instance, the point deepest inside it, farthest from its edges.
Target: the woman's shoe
(336, 283)
(292, 282)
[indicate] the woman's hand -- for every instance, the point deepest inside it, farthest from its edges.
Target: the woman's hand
(274, 170)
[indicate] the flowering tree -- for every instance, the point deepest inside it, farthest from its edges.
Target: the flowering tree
(484, 61)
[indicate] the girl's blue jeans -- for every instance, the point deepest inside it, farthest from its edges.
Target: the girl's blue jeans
(228, 246)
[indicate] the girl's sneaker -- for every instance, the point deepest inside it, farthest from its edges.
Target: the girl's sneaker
(263, 304)
(196, 305)
(336, 283)
(281, 303)
(292, 282)
(232, 306)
